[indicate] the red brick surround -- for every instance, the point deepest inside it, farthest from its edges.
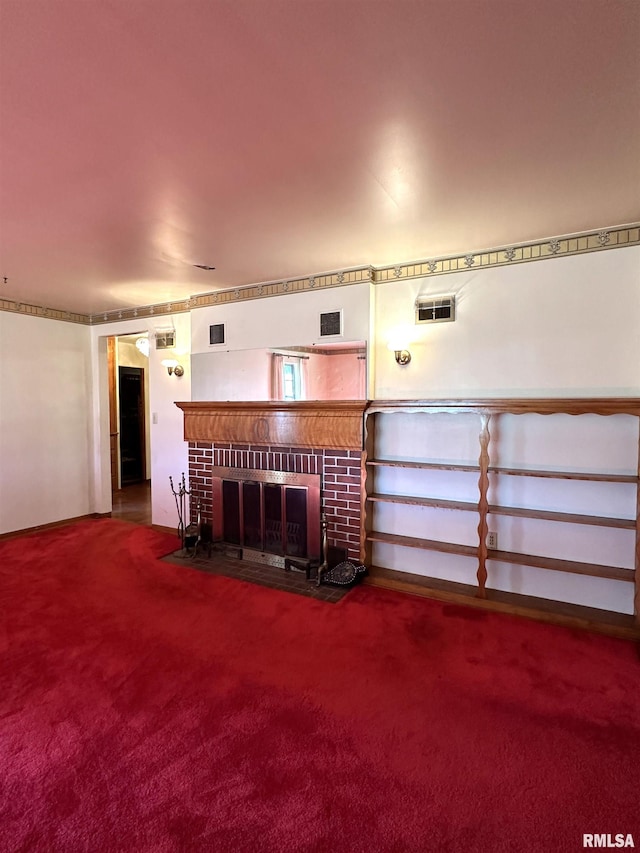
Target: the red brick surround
(340, 472)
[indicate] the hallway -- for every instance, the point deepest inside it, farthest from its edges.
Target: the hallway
(133, 503)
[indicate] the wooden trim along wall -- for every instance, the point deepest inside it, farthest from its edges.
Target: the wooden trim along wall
(516, 406)
(51, 525)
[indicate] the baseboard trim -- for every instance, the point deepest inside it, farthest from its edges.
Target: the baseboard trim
(39, 528)
(612, 624)
(171, 530)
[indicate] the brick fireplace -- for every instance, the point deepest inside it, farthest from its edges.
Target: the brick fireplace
(327, 441)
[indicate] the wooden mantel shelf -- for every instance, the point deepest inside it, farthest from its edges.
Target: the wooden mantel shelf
(322, 424)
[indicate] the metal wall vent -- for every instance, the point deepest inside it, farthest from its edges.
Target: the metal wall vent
(435, 309)
(216, 333)
(165, 339)
(330, 323)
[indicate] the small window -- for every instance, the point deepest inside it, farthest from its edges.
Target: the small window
(436, 309)
(216, 333)
(291, 380)
(165, 339)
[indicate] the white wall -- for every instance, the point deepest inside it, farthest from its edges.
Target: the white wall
(44, 421)
(283, 321)
(562, 327)
(169, 451)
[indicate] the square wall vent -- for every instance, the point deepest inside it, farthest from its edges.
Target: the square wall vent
(216, 333)
(330, 324)
(435, 309)
(165, 339)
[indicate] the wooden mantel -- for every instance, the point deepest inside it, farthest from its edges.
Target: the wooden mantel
(311, 423)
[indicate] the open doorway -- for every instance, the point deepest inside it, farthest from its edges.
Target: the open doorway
(128, 359)
(133, 467)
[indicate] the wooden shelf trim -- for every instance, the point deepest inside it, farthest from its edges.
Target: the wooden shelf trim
(566, 475)
(567, 517)
(513, 405)
(534, 561)
(439, 503)
(514, 511)
(435, 466)
(516, 472)
(423, 544)
(573, 567)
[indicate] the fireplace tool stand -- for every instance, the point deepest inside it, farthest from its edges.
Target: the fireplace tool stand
(324, 566)
(190, 535)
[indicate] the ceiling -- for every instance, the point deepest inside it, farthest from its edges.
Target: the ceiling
(280, 139)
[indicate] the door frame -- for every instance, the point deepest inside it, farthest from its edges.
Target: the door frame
(114, 410)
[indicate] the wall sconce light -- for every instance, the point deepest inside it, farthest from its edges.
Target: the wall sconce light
(402, 354)
(173, 367)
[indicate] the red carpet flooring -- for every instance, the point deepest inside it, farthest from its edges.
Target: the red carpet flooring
(149, 707)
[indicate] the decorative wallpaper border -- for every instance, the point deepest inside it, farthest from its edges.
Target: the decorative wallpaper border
(518, 253)
(321, 281)
(555, 247)
(180, 306)
(45, 313)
